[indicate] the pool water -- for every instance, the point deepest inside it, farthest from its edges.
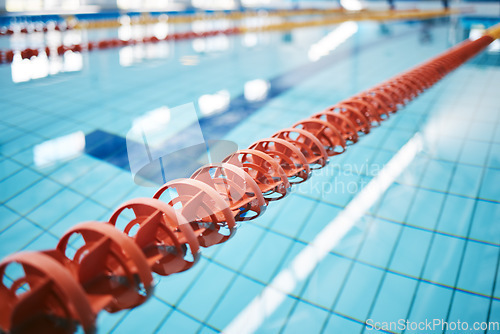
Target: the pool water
(429, 248)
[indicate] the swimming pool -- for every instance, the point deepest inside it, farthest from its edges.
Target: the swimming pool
(414, 255)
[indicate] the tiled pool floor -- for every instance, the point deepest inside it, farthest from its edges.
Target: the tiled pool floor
(428, 249)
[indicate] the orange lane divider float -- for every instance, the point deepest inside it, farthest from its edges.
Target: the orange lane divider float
(111, 268)
(7, 56)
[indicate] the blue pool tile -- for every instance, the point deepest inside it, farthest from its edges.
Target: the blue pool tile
(25, 157)
(321, 291)
(7, 217)
(92, 181)
(342, 188)
(151, 312)
(376, 137)
(357, 295)
(8, 134)
(139, 191)
(396, 139)
(474, 152)
(379, 162)
(17, 182)
(269, 217)
(235, 299)
(493, 326)
(467, 308)
(55, 208)
(396, 202)
(437, 175)
(341, 325)
(494, 158)
(291, 221)
(305, 318)
(181, 281)
(444, 260)
(33, 196)
(426, 209)
(272, 249)
(234, 253)
(74, 169)
(322, 214)
(18, 236)
(291, 255)
(350, 242)
(207, 330)
(210, 288)
(446, 149)
(107, 321)
(394, 299)
(412, 174)
(411, 250)
(482, 226)
(479, 258)
(379, 242)
(8, 167)
(489, 186)
(456, 215)
(276, 320)
(113, 192)
(85, 211)
(25, 141)
(178, 322)
(431, 302)
(43, 242)
(466, 180)
(481, 131)
(360, 159)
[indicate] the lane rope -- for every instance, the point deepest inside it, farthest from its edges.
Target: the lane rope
(8, 56)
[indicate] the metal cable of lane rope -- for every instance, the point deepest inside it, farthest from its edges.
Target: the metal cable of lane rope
(111, 267)
(7, 56)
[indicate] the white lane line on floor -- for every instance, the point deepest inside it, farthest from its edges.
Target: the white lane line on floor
(262, 306)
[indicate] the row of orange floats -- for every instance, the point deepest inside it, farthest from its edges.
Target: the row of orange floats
(7, 57)
(110, 267)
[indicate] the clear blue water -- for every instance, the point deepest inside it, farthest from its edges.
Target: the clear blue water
(428, 249)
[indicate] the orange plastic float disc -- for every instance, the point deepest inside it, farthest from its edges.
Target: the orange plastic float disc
(396, 95)
(167, 240)
(377, 102)
(355, 116)
(236, 186)
(367, 109)
(327, 134)
(416, 80)
(416, 85)
(400, 91)
(266, 171)
(341, 122)
(203, 207)
(390, 105)
(410, 91)
(308, 144)
(110, 266)
(288, 157)
(54, 301)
